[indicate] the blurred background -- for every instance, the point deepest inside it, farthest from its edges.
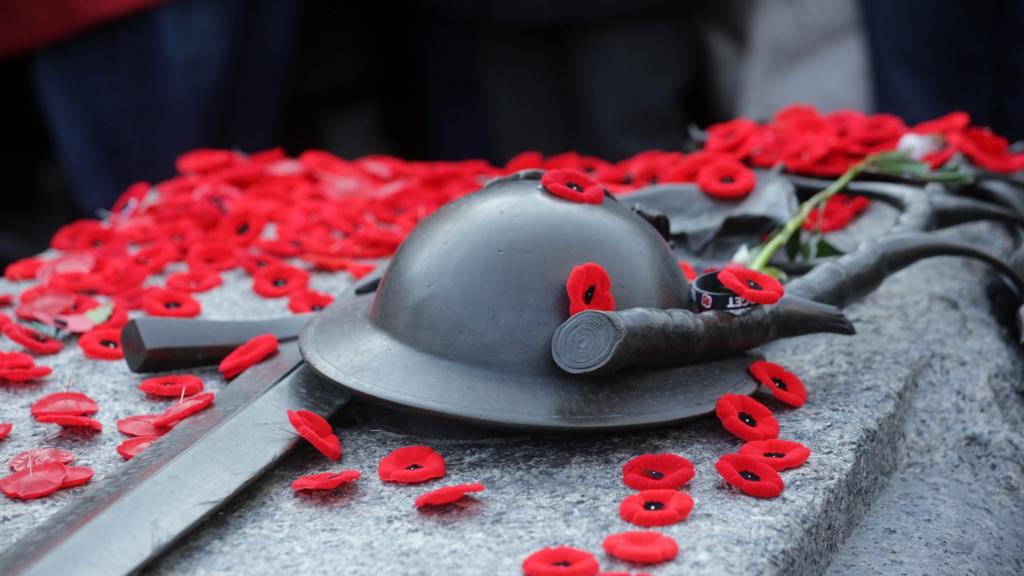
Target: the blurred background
(99, 94)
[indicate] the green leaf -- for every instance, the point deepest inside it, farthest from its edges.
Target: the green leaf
(100, 314)
(826, 249)
(775, 273)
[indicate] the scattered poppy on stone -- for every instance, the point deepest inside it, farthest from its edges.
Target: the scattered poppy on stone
(726, 179)
(589, 288)
(6, 300)
(656, 507)
(5, 429)
(325, 480)
(172, 386)
(24, 269)
(656, 471)
(411, 465)
(24, 374)
(219, 256)
(194, 280)
(688, 271)
(102, 344)
(32, 340)
(183, 409)
(779, 454)
(156, 257)
(573, 186)
(641, 547)
(447, 495)
(132, 447)
(161, 302)
(142, 425)
(751, 285)
(279, 280)
(731, 137)
(303, 301)
(73, 403)
(746, 417)
(34, 482)
(750, 475)
(783, 384)
(40, 456)
(317, 431)
(253, 262)
(252, 352)
(70, 421)
(560, 561)
(76, 476)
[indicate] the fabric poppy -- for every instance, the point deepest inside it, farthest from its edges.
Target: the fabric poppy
(411, 465)
(40, 456)
(20, 367)
(73, 403)
(779, 454)
(572, 186)
(183, 409)
(70, 421)
(132, 447)
(77, 476)
(325, 480)
(783, 384)
(750, 475)
(279, 280)
(303, 301)
(156, 257)
(746, 417)
(218, 256)
(751, 285)
(142, 425)
(560, 561)
(253, 262)
(161, 302)
(252, 352)
(317, 431)
(204, 160)
(32, 340)
(447, 494)
(732, 137)
(102, 344)
(726, 179)
(589, 288)
(5, 429)
(688, 271)
(641, 547)
(24, 269)
(6, 300)
(656, 507)
(837, 213)
(35, 482)
(657, 471)
(172, 386)
(194, 281)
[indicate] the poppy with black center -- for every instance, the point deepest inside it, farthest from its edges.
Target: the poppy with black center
(161, 302)
(751, 285)
(779, 454)
(726, 179)
(746, 417)
(750, 475)
(279, 280)
(784, 385)
(573, 186)
(589, 288)
(560, 561)
(656, 507)
(303, 301)
(657, 471)
(32, 340)
(102, 344)
(194, 280)
(411, 465)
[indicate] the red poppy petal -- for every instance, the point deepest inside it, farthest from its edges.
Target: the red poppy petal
(779, 454)
(447, 495)
(726, 179)
(142, 425)
(72, 403)
(589, 288)
(24, 374)
(325, 480)
(784, 385)
(40, 456)
(5, 429)
(102, 344)
(39, 481)
(32, 340)
(184, 409)
(688, 271)
(656, 507)
(572, 186)
(194, 281)
(746, 417)
(657, 471)
(303, 301)
(641, 547)
(172, 386)
(132, 447)
(70, 421)
(560, 561)
(76, 476)
(160, 302)
(411, 465)
(279, 280)
(750, 475)
(252, 352)
(751, 285)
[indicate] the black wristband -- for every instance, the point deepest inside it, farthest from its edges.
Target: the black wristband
(709, 294)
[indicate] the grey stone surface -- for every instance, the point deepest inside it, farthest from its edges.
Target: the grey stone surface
(931, 384)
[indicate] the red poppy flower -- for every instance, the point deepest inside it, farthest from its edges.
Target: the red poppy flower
(5, 429)
(779, 454)
(641, 547)
(325, 480)
(160, 302)
(253, 262)
(218, 256)
(589, 288)
(751, 285)
(560, 561)
(279, 280)
(142, 425)
(76, 476)
(447, 495)
(726, 179)
(656, 507)
(24, 374)
(40, 456)
(572, 186)
(657, 471)
(303, 301)
(34, 341)
(877, 128)
(132, 447)
(102, 344)
(24, 269)
(252, 352)
(241, 226)
(784, 385)
(73, 403)
(411, 465)
(183, 409)
(6, 300)
(194, 281)
(70, 421)
(836, 214)
(746, 417)
(750, 475)
(205, 160)
(731, 137)
(952, 122)
(172, 386)
(39, 481)
(16, 360)
(688, 271)
(317, 431)
(4, 320)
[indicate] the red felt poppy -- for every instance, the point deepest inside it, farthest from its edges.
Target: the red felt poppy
(194, 280)
(70, 421)
(132, 447)
(688, 271)
(447, 495)
(4, 320)
(102, 344)
(6, 300)
(142, 425)
(255, 350)
(73, 403)
(117, 319)
(732, 137)
(5, 429)
(325, 480)
(24, 374)
(779, 454)
(205, 160)
(183, 409)
(40, 456)
(24, 269)
(589, 288)
(746, 417)
(33, 341)
(657, 471)
(411, 465)
(217, 256)
(726, 179)
(76, 476)
(783, 384)
(253, 262)
(279, 280)
(39, 481)
(656, 507)
(172, 386)
(317, 431)
(751, 285)
(836, 214)
(641, 547)
(560, 561)
(303, 301)
(750, 475)
(160, 302)
(572, 186)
